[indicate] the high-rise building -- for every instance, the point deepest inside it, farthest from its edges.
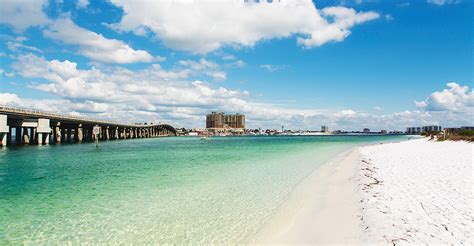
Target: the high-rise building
(432, 129)
(366, 130)
(418, 130)
(413, 130)
(220, 121)
(324, 129)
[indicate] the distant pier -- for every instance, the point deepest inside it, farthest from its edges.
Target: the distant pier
(29, 126)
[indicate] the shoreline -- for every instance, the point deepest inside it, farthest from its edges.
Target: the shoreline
(323, 208)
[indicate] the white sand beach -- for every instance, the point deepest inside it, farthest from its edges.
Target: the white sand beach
(418, 191)
(409, 192)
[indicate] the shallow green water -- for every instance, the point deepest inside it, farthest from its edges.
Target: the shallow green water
(168, 190)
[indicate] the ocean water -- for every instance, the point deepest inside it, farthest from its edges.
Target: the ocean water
(161, 190)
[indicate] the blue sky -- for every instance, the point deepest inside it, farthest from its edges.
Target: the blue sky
(345, 64)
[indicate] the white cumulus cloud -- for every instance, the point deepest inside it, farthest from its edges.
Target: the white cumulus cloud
(21, 14)
(205, 26)
(94, 45)
(455, 98)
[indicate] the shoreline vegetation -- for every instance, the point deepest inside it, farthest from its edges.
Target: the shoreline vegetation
(415, 191)
(451, 134)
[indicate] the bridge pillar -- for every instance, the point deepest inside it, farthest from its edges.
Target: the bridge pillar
(40, 138)
(79, 133)
(3, 139)
(43, 130)
(26, 138)
(116, 133)
(46, 139)
(4, 130)
(57, 132)
(107, 133)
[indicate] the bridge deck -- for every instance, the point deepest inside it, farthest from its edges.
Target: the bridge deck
(24, 113)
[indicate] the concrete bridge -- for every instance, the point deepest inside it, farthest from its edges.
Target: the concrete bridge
(29, 126)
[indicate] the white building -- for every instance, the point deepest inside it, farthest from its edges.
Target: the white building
(418, 130)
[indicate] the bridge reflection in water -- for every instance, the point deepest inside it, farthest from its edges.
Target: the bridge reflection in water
(29, 126)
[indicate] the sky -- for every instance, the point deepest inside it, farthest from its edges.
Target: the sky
(346, 64)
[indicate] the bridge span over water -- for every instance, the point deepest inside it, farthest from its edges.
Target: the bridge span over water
(29, 126)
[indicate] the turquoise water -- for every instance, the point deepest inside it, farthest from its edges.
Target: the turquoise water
(166, 190)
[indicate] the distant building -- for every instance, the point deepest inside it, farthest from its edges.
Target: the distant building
(383, 131)
(396, 132)
(467, 128)
(413, 130)
(431, 129)
(419, 130)
(366, 130)
(324, 129)
(220, 122)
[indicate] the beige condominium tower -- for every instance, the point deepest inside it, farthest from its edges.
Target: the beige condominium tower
(220, 122)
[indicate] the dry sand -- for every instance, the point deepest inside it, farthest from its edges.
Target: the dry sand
(418, 191)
